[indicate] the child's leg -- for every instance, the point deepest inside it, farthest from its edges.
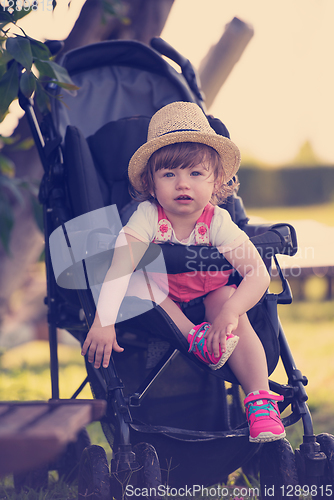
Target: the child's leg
(249, 365)
(138, 287)
(194, 335)
(248, 361)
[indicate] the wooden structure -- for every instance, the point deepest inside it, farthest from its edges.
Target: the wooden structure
(34, 433)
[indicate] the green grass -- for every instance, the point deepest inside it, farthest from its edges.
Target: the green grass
(57, 490)
(321, 213)
(309, 328)
(25, 372)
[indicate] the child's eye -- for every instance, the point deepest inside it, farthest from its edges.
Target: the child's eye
(196, 173)
(169, 174)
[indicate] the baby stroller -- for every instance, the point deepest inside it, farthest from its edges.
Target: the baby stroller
(171, 421)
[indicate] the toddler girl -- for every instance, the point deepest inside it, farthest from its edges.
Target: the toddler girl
(180, 174)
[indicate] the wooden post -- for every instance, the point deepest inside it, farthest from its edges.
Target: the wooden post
(222, 57)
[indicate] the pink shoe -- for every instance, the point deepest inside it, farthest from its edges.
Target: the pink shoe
(197, 345)
(264, 417)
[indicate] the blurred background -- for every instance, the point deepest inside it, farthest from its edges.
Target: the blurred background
(275, 97)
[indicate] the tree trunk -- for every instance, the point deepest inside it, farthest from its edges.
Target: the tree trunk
(145, 19)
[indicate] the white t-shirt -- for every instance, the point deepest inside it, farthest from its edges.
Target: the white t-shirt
(224, 233)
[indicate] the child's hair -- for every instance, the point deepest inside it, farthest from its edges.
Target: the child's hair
(186, 155)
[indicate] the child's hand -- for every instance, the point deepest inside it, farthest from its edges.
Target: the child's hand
(224, 324)
(99, 343)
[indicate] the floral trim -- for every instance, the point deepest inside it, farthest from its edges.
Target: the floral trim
(164, 231)
(202, 234)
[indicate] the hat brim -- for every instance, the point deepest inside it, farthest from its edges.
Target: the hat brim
(227, 150)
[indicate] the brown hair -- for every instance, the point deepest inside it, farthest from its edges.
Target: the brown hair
(185, 155)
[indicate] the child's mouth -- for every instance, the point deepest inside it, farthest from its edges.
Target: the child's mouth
(183, 197)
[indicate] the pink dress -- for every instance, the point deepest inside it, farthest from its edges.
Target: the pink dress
(193, 284)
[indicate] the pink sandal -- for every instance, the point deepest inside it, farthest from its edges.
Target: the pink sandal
(197, 345)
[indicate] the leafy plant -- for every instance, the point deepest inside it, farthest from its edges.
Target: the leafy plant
(11, 189)
(26, 66)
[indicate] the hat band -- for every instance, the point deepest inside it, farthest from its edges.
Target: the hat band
(180, 130)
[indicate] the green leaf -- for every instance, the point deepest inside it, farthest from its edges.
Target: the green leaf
(11, 185)
(28, 83)
(7, 167)
(19, 48)
(3, 70)
(20, 14)
(7, 223)
(9, 141)
(57, 73)
(9, 87)
(44, 69)
(5, 57)
(39, 50)
(5, 17)
(24, 145)
(21, 9)
(14, 143)
(60, 73)
(66, 86)
(42, 99)
(38, 213)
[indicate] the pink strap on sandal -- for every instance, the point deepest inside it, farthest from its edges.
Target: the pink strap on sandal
(198, 346)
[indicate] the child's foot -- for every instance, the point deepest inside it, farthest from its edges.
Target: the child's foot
(197, 345)
(264, 417)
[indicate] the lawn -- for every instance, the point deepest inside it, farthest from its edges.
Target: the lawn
(323, 213)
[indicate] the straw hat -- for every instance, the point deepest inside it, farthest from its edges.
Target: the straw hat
(182, 122)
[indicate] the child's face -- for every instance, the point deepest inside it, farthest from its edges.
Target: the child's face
(184, 190)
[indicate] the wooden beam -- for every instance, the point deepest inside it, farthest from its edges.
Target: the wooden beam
(222, 57)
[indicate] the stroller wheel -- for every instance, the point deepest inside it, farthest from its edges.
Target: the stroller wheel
(68, 464)
(278, 471)
(140, 478)
(149, 474)
(93, 480)
(326, 488)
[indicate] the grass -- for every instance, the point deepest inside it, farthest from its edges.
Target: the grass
(322, 213)
(25, 372)
(309, 327)
(57, 490)
(309, 330)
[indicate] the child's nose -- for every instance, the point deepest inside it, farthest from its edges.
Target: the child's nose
(182, 181)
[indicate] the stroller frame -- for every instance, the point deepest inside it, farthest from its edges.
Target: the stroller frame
(313, 460)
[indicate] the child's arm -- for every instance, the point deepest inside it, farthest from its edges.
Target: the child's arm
(101, 338)
(247, 261)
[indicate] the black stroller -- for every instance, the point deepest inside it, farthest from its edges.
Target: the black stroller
(162, 433)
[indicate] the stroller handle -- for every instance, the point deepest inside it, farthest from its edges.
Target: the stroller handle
(187, 68)
(165, 49)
